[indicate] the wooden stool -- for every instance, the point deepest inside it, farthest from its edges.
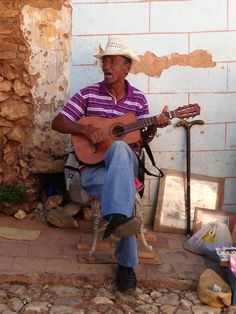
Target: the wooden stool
(96, 213)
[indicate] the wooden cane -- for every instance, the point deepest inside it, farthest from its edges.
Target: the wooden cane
(187, 125)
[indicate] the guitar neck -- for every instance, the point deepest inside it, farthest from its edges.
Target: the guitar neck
(145, 122)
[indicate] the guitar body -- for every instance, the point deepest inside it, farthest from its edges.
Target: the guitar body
(125, 127)
(112, 130)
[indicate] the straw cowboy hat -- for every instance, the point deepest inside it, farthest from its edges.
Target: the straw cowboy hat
(116, 47)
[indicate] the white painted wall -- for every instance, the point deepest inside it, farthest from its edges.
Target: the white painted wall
(166, 27)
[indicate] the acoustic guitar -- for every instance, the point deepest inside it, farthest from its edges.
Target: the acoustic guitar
(125, 127)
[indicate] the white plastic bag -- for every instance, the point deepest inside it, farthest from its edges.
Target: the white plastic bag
(208, 238)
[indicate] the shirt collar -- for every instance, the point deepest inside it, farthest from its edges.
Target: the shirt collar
(104, 90)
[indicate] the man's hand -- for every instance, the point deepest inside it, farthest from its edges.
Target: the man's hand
(162, 119)
(62, 124)
(94, 135)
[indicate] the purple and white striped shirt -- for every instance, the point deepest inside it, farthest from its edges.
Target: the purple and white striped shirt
(95, 100)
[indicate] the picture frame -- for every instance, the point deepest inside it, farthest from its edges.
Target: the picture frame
(203, 216)
(170, 215)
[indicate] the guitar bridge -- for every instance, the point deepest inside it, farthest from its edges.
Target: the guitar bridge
(95, 148)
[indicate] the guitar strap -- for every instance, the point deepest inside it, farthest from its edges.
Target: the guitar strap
(150, 155)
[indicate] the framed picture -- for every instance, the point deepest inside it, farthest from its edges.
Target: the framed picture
(170, 215)
(203, 216)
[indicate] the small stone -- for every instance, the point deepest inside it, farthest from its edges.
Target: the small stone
(17, 134)
(3, 97)
(59, 309)
(53, 202)
(36, 307)
(203, 309)
(105, 293)
(126, 298)
(186, 304)
(3, 307)
(16, 304)
(101, 300)
(14, 109)
(72, 209)
(230, 310)
(68, 301)
(64, 291)
(192, 296)
(59, 219)
(183, 311)
(5, 86)
(17, 289)
(145, 298)
(20, 88)
(20, 214)
(138, 291)
(170, 298)
(167, 309)
(88, 287)
(127, 309)
(3, 294)
(155, 294)
(147, 309)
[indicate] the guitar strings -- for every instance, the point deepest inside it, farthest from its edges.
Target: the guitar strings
(139, 124)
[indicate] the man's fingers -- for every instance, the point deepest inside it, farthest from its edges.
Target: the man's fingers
(97, 137)
(165, 109)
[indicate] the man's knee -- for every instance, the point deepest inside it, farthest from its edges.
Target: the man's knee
(121, 153)
(120, 146)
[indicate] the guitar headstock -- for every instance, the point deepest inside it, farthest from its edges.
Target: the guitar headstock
(187, 111)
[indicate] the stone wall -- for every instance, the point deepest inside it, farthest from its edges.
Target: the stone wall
(26, 50)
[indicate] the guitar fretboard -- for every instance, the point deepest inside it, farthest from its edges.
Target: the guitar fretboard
(145, 122)
(142, 123)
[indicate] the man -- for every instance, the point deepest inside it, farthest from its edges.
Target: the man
(113, 181)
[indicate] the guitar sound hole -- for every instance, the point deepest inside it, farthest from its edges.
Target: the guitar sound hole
(118, 131)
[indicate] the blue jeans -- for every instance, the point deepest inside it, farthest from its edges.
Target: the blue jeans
(114, 185)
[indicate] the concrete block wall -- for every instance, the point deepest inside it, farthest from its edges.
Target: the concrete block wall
(166, 28)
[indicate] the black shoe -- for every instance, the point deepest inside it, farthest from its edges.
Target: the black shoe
(125, 279)
(121, 226)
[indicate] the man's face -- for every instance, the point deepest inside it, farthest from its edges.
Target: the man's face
(115, 68)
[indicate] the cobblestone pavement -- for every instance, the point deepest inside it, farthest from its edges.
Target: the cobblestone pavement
(44, 276)
(60, 299)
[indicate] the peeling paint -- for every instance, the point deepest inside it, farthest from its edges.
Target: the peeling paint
(47, 31)
(153, 65)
